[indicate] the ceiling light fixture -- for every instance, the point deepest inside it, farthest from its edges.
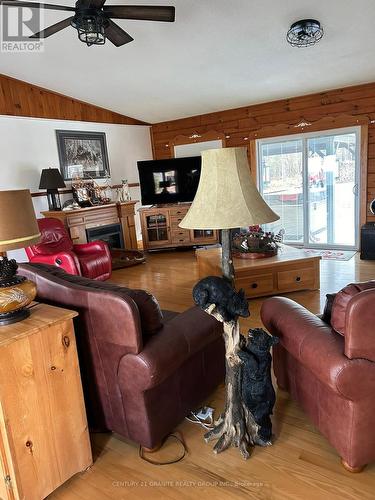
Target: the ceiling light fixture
(90, 25)
(305, 33)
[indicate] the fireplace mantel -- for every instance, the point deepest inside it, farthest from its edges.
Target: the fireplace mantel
(77, 221)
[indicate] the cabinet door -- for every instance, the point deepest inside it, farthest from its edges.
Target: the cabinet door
(41, 394)
(157, 228)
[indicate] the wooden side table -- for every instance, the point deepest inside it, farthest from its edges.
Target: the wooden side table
(44, 436)
(289, 271)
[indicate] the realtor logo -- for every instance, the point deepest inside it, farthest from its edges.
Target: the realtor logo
(17, 25)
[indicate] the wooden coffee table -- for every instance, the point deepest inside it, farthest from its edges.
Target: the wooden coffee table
(288, 271)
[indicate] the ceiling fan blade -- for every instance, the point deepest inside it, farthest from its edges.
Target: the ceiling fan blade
(141, 12)
(35, 5)
(51, 30)
(117, 35)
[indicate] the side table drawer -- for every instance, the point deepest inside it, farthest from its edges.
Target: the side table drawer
(256, 285)
(295, 279)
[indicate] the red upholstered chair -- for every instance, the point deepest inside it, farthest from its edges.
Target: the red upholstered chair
(328, 366)
(92, 260)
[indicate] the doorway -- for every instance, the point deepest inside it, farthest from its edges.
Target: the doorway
(312, 182)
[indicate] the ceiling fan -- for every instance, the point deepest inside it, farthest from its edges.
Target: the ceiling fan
(93, 20)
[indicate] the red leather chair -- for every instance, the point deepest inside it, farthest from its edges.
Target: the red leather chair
(328, 366)
(92, 260)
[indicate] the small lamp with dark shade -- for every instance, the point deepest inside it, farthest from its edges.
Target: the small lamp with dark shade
(51, 180)
(18, 229)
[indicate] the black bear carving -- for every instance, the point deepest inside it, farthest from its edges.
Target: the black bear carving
(258, 393)
(229, 303)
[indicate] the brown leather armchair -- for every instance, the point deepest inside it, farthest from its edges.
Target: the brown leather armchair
(142, 370)
(329, 367)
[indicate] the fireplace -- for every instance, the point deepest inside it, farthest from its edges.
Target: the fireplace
(110, 233)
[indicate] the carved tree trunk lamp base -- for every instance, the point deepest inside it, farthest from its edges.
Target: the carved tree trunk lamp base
(227, 198)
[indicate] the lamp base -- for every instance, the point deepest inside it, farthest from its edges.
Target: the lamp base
(14, 317)
(16, 292)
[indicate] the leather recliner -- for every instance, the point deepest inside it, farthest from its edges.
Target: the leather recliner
(142, 370)
(328, 366)
(92, 260)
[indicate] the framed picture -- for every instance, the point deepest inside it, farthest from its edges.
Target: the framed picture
(82, 153)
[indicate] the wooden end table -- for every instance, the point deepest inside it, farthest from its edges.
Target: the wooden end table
(289, 271)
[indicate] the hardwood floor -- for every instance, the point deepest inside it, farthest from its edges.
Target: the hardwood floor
(300, 465)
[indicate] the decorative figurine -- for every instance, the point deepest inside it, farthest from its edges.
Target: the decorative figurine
(257, 389)
(229, 303)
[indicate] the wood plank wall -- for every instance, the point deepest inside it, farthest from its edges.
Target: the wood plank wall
(18, 98)
(325, 110)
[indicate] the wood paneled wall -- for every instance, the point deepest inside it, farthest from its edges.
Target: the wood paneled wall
(325, 110)
(18, 98)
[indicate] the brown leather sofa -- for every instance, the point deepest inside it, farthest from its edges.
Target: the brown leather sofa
(328, 366)
(142, 370)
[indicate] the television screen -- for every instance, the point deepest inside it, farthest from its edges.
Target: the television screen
(169, 181)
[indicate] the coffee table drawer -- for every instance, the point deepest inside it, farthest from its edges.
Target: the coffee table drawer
(256, 285)
(295, 279)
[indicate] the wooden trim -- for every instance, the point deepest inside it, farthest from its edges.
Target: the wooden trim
(69, 191)
(195, 138)
(253, 159)
(363, 162)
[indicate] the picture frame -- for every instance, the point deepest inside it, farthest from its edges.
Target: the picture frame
(82, 154)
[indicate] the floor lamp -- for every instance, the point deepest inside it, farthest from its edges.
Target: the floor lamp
(227, 198)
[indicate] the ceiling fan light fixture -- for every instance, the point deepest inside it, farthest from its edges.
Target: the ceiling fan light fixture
(90, 28)
(305, 33)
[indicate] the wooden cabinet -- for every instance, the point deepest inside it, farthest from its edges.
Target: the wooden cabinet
(160, 228)
(44, 437)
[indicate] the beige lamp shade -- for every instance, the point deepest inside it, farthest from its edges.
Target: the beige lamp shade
(18, 225)
(226, 196)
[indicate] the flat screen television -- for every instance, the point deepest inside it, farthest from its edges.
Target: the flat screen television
(169, 181)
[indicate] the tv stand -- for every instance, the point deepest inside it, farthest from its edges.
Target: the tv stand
(160, 228)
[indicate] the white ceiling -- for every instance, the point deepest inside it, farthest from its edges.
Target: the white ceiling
(219, 54)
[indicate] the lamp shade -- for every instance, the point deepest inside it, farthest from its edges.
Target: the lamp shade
(51, 179)
(226, 196)
(18, 225)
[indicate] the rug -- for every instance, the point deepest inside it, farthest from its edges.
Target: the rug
(126, 258)
(330, 254)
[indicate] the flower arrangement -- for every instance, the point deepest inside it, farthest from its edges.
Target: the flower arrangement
(256, 243)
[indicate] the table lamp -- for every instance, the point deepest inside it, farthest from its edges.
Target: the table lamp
(226, 198)
(51, 180)
(18, 228)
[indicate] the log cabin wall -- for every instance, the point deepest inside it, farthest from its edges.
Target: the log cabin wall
(241, 126)
(18, 98)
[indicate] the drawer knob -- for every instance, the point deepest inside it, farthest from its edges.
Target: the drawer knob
(254, 285)
(298, 278)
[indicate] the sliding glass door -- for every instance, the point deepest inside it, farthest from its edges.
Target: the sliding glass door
(311, 181)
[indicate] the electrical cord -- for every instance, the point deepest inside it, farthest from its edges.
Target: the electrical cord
(178, 436)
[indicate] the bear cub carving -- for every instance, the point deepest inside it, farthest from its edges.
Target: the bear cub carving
(258, 393)
(214, 290)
